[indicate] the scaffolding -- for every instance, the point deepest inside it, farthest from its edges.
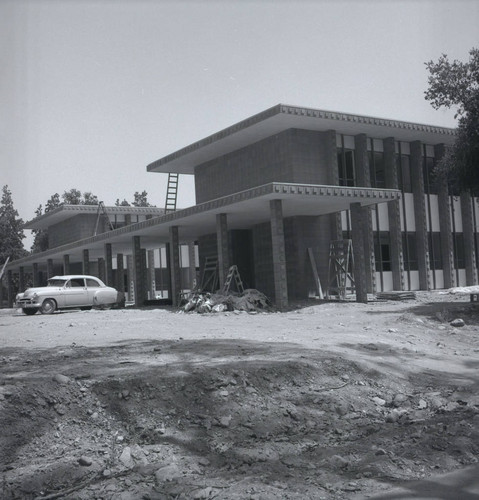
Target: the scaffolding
(341, 269)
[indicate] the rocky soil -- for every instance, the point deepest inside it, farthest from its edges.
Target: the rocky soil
(328, 400)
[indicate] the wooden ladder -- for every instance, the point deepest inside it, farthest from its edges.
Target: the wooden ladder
(233, 274)
(341, 268)
(209, 277)
(171, 192)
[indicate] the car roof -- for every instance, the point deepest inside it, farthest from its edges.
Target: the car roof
(70, 276)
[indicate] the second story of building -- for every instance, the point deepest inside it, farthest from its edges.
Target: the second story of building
(309, 146)
(69, 223)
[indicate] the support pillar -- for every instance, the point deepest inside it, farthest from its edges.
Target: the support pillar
(108, 265)
(445, 224)
(358, 232)
(86, 261)
(467, 208)
(21, 279)
(130, 278)
(363, 178)
(151, 274)
(192, 264)
(101, 268)
(66, 264)
(120, 273)
(139, 262)
(417, 180)
(49, 268)
(36, 277)
(394, 214)
(279, 254)
(174, 263)
(10, 298)
(222, 248)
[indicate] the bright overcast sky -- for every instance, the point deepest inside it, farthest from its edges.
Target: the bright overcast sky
(93, 91)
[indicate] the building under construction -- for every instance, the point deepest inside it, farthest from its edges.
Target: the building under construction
(303, 201)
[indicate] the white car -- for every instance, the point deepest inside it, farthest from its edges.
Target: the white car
(67, 292)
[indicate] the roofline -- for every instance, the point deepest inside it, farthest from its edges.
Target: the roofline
(78, 209)
(286, 109)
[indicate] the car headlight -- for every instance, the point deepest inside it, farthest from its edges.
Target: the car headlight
(35, 296)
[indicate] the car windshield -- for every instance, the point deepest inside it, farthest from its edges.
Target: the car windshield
(56, 282)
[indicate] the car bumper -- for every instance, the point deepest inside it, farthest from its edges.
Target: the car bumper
(27, 303)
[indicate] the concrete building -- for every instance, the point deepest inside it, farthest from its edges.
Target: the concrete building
(275, 190)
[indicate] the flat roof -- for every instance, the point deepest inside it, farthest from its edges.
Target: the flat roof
(244, 210)
(283, 117)
(64, 212)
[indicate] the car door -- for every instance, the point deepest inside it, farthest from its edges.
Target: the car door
(92, 287)
(75, 293)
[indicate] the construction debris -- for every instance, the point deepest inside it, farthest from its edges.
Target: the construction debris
(250, 300)
(396, 295)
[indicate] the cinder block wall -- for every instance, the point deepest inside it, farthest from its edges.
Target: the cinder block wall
(74, 229)
(292, 156)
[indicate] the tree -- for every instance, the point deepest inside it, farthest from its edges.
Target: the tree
(140, 199)
(40, 240)
(456, 84)
(124, 203)
(74, 197)
(11, 232)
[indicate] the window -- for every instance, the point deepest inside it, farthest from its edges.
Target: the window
(430, 186)
(459, 254)
(435, 251)
(92, 283)
(409, 251)
(404, 173)
(76, 283)
(382, 251)
(346, 167)
(376, 169)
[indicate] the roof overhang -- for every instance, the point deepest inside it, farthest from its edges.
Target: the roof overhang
(283, 117)
(64, 212)
(244, 210)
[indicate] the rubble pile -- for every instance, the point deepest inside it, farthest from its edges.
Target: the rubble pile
(250, 300)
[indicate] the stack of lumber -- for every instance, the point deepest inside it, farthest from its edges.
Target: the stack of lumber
(406, 295)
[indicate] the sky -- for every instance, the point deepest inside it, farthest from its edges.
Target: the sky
(92, 91)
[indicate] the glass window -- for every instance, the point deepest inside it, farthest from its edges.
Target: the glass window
(459, 255)
(346, 167)
(430, 186)
(404, 173)
(56, 283)
(76, 283)
(382, 251)
(435, 251)
(92, 283)
(409, 251)
(376, 169)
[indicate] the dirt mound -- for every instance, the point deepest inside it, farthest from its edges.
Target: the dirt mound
(225, 419)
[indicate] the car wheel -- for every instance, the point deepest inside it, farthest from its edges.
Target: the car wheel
(49, 306)
(30, 312)
(85, 308)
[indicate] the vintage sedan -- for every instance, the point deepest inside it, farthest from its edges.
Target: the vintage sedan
(67, 292)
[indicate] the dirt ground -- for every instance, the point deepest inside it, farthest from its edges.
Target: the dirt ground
(326, 401)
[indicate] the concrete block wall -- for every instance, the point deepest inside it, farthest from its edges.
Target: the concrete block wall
(263, 259)
(291, 156)
(74, 229)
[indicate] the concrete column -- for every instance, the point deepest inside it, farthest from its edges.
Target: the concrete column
(174, 263)
(101, 269)
(49, 268)
(222, 246)
(66, 264)
(467, 208)
(120, 272)
(36, 277)
(10, 297)
(331, 162)
(279, 254)
(192, 264)
(139, 262)
(394, 214)
(358, 228)
(130, 277)
(363, 178)
(445, 224)
(417, 181)
(108, 265)
(86, 261)
(1, 294)
(21, 279)
(151, 274)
